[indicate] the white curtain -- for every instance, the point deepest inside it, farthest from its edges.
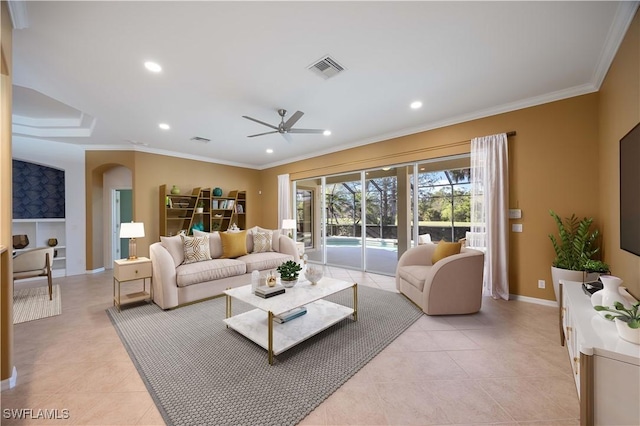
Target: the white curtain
(284, 198)
(490, 210)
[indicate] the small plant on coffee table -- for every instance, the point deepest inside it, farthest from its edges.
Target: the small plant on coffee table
(289, 270)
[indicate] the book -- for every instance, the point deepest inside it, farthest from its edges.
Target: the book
(268, 295)
(289, 315)
(263, 289)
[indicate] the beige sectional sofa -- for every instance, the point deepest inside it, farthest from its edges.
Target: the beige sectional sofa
(177, 281)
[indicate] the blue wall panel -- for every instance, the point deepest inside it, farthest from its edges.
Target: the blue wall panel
(38, 191)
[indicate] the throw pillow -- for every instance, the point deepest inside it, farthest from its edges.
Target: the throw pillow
(262, 241)
(234, 244)
(444, 249)
(196, 249)
(175, 248)
(215, 245)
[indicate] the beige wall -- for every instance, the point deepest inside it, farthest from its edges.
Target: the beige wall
(549, 169)
(6, 299)
(149, 171)
(619, 112)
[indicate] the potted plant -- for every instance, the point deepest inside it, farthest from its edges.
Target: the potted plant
(200, 206)
(289, 272)
(627, 320)
(575, 247)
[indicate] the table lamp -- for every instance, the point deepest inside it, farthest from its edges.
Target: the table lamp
(289, 224)
(132, 230)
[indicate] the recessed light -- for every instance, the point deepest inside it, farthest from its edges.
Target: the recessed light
(164, 126)
(269, 151)
(416, 104)
(326, 132)
(152, 66)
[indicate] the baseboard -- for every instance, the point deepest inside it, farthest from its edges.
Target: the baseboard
(535, 300)
(10, 383)
(95, 271)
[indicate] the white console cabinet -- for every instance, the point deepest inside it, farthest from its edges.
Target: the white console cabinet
(606, 368)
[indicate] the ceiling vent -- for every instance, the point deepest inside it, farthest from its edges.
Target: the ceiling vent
(200, 139)
(326, 67)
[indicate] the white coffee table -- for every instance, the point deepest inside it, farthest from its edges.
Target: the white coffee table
(258, 325)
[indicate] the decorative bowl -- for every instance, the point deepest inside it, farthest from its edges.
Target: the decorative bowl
(20, 241)
(313, 274)
(288, 283)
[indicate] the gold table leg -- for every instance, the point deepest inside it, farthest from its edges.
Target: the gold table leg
(270, 328)
(355, 302)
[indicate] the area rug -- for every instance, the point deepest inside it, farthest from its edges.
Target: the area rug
(201, 373)
(33, 303)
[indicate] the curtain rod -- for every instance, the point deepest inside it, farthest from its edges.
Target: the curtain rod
(511, 133)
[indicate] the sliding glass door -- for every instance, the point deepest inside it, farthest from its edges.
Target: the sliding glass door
(381, 226)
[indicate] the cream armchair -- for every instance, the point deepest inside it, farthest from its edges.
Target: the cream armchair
(34, 263)
(452, 285)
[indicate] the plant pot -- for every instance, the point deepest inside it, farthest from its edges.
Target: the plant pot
(288, 283)
(558, 274)
(627, 333)
(199, 209)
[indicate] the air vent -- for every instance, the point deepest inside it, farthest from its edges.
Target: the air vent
(200, 139)
(326, 67)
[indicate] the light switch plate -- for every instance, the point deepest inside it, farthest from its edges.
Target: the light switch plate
(516, 227)
(515, 214)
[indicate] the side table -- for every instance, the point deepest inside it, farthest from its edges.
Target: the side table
(131, 270)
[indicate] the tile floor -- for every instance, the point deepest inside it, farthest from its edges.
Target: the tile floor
(503, 365)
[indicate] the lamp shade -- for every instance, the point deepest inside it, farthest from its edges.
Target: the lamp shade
(288, 224)
(131, 230)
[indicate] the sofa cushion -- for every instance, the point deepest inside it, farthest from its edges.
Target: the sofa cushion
(445, 249)
(215, 243)
(208, 270)
(414, 275)
(264, 261)
(234, 244)
(196, 249)
(275, 238)
(175, 248)
(261, 241)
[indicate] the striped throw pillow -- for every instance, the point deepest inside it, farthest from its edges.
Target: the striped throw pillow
(196, 249)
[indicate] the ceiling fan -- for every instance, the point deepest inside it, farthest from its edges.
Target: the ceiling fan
(285, 127)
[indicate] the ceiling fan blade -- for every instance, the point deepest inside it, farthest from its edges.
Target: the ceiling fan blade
(293, 120)
(287, 137)
(261, 122)
(262, 134)
(306, 131)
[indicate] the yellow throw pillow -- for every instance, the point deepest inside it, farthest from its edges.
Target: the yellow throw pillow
(444, 249)
(234, 244)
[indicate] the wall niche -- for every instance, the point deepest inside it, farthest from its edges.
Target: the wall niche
(38, 191)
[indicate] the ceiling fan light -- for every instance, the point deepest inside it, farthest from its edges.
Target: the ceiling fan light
(327, 132)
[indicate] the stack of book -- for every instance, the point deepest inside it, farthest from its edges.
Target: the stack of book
(265, 292)
(289, 315)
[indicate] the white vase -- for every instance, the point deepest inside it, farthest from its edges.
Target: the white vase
(609, 294)
(627, 333)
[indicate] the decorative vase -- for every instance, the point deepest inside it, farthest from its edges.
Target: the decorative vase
(271, 279)
(217, 192)
(175, 190)
(609, 294)
(627, 333)
(199, 209)
(288, 283)
(52, 242)
(20, 241)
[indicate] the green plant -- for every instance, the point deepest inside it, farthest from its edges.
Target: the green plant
(630, 316)
(576, 245)
(201, 203)
(289, 270)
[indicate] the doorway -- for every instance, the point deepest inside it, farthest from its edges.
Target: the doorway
(122, 212)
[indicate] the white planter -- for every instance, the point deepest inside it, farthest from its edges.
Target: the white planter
(558, 274)
(627, 333)
(199, 209)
